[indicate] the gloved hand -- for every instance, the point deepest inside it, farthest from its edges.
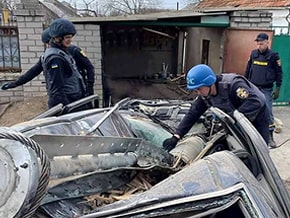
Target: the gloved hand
(6, 86)
(170, 143)
(275, 94)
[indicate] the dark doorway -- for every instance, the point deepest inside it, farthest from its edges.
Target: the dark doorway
(205, 51)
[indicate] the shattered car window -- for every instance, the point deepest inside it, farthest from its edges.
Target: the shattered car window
(146, 129)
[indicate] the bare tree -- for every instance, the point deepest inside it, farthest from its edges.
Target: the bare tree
(8, 4)
(123, 7)
(190, 3)
(88, 8)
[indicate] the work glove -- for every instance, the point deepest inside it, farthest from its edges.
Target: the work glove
(275, 94)
(6, 86)
(170, 143)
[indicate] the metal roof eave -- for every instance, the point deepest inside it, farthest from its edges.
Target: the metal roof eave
(159, 23)
(164, 16)
(231, 9)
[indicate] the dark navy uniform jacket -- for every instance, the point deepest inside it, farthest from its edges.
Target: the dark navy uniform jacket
(263, 69)
(29, 75)
(63, 81)
(85, 67)
(83, 63)
(233, 92)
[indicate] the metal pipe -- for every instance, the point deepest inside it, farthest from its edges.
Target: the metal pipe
(65, 166)
(158, 32)
(94, 127)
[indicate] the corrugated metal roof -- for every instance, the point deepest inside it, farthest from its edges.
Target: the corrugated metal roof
(147, 17)
(242, 3)
(219, 7)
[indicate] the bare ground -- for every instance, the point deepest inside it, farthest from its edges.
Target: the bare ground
(17, 112)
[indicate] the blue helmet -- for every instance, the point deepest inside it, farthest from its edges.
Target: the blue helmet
(61, 27)
(200, 75)
(45, 36)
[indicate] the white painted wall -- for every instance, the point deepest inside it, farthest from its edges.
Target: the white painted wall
(279, 21)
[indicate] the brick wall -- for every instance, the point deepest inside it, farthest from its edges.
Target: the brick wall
(251, 19)
(30, 20)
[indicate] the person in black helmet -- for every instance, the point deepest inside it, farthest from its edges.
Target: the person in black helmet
(84, 65)
(64, 82)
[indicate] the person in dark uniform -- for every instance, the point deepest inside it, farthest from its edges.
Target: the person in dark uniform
(64, 82)
(264, 69)
(227, 92)
(84, 65)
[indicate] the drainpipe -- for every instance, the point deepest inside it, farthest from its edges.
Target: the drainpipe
(5, 14)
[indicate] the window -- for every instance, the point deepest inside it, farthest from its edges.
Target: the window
(9, 49)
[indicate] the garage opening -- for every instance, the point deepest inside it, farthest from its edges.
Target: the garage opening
(141, 62)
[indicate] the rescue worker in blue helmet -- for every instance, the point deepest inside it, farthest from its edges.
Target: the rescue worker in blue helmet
(64, 82)
(83, 63)
(227, 92)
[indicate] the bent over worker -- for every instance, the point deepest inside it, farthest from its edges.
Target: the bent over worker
(264, 69)
(227, 92)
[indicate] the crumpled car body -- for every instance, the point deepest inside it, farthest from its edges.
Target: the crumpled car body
(110, 163)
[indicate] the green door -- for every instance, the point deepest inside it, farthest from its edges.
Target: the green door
(281, 44)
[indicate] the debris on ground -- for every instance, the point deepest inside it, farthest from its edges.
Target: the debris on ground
(278, 125)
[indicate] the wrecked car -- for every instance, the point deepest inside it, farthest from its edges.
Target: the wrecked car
(109, 162)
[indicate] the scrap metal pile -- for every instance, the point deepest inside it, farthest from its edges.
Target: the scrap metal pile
(109, 162)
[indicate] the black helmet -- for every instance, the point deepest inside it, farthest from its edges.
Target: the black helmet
(61, 27)
(45, 36)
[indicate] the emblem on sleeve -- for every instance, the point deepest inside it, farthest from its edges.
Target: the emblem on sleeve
(83, 53)
(242, 93)
(278, 62)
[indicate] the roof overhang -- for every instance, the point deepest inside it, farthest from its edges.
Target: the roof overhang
(232, 9)
(170, 18)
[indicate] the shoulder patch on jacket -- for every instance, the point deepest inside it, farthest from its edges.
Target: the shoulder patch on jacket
(278, 62)
(242, 93)
(83, 53)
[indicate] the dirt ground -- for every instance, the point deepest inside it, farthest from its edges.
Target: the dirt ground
(281, 155)
(22, 111)
(17, 112)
